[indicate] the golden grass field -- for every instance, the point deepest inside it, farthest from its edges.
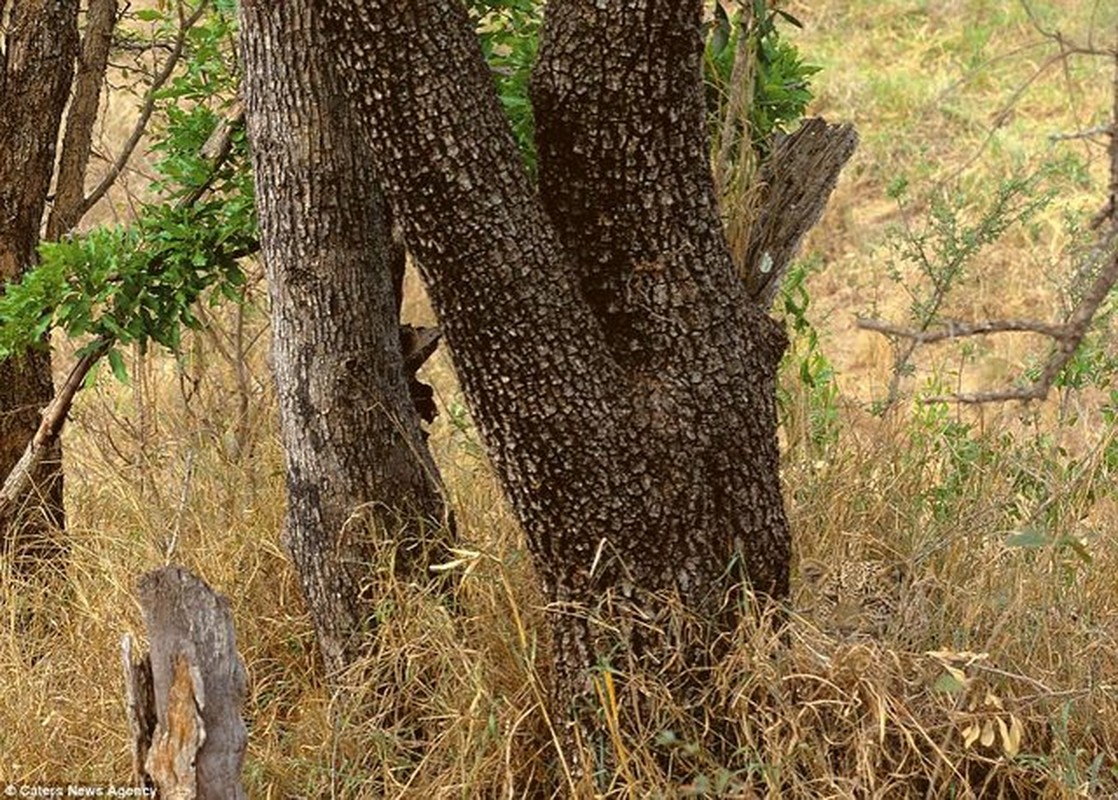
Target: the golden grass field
(997, 676)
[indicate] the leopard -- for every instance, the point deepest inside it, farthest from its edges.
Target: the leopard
(853, 598)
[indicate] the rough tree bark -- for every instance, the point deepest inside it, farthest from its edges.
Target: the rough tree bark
(69, 197)
(36, 69)
(622, 379)
(359, 473)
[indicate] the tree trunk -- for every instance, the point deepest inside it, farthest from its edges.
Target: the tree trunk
(621, 377)
(359, 474)
(36, 68)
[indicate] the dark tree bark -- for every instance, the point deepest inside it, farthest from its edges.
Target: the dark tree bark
(359, 473)
(625, 179)
(69, 199)
(36, 68)
(623, 380)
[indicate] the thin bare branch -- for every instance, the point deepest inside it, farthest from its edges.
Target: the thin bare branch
(954, 329)
(1066, 49)
(1067, 46)
(146, 110)
(1069, 336)
(1024, 394)
(1090, 133)
(1002, 117)
(216, 150)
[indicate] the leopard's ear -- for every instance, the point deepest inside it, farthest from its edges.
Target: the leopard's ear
(897, 573)
(812, 570)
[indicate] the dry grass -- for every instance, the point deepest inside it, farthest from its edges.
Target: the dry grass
(1015, 645)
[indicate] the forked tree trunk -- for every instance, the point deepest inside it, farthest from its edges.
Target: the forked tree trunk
(360, 477)
(36, 68)
(622, 379)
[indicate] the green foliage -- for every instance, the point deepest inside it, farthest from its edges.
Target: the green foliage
(1094, 364)
(137, 283)
(815, 406)
(932, 258)
(128, 284)
(953, 456)
(945, 246)
(781, 79)
(509, 32)
(783, 87)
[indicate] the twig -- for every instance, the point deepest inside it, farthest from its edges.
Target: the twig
(954, 329)
(1065, 44)
(1044, 689)
(1069, 335)
(216, 149)
(184, 500)
(1090, 133)
(1001, 117)
(146, 110)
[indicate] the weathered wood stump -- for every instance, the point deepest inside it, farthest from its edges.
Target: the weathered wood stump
(184, 698)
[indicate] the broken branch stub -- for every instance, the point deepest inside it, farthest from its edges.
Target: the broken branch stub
(192, 743)
(798, 178)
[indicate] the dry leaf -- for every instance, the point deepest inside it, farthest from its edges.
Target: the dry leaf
(987, 737)
(1011, 736)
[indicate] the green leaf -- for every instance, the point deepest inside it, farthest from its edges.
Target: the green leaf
(948, 684)
(790, 19)
(1077, 547)
(1031, 538)
(116, 361)
(91, 377)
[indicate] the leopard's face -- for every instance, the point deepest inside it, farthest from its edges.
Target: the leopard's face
(851, 598)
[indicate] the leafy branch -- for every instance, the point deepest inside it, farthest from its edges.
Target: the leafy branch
(138, 284)
(186, 23)
(943, 250)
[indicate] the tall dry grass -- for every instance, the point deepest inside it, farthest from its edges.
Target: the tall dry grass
(992, 676)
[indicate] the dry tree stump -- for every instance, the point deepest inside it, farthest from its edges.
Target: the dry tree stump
(184, 698)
